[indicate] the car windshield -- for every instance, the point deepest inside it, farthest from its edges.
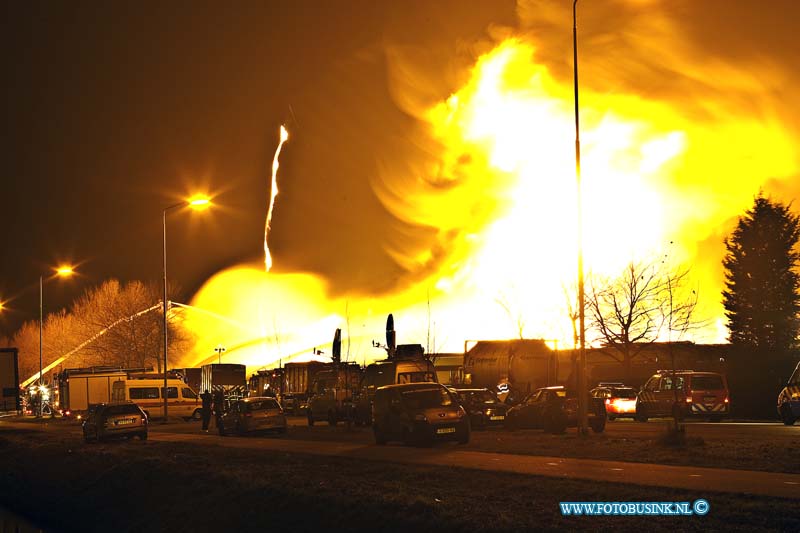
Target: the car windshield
(481, 396)
(707, 383)
(628, 394)
(125, 409)
(426, 398)
(261, 405)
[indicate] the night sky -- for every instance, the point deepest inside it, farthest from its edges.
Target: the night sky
(116, 110)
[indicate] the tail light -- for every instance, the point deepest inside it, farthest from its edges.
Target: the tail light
(248, 415)
(688, 399)
(726, 400)
(608, 401)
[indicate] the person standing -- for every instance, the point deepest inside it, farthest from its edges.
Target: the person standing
(206, 409)
(219, 407)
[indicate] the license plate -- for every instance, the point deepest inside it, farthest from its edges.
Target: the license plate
(442, 431)
(497, 417)
(124, 421)
(709, 399)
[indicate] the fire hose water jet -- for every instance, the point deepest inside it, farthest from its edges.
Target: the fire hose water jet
(273, 194)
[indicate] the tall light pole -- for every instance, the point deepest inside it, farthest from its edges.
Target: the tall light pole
(582, 392)
(219, 349)
(195, 203)
(63, 272)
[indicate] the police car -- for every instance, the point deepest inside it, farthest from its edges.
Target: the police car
(698, 394)
(789, 399)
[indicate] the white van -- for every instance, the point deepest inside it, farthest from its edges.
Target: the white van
(148, 394)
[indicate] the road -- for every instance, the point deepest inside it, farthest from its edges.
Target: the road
(681, 477)
(358, 444)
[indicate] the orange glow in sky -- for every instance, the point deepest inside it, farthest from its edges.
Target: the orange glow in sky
(500, 198)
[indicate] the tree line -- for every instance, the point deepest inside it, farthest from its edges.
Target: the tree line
(655, 301)
(130, 336)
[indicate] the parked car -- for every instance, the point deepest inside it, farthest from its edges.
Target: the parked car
(698, 394)
(418, 413)
(482, 406)
(114, 420)
(251, 415)
(619, 399)
(789, 399)
(295, 403)
(552, 409)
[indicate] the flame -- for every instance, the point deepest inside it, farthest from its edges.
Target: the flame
(273, 193)
(499, 198)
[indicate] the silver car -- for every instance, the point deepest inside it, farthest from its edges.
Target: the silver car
(252, 415)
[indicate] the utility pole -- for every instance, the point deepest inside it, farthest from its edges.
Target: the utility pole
(582, 392)
(219, 349)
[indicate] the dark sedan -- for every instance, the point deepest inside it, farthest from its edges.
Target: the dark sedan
(482, 406)
(553, 410)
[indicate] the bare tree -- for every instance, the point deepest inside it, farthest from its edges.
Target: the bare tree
(26, 339)
(632, 311)
(513, 312)
(131, 338)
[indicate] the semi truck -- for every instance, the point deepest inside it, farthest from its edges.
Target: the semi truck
(80, 387)
(9, 380)
(230, 379)
(332, 393)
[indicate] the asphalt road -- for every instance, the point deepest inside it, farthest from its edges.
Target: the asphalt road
(358, 444)
(682, 477)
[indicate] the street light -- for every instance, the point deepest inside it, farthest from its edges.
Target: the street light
(582, 392)
(198, 203)
(219, 349)
(63, 271)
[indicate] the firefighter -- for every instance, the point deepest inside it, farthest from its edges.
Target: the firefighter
(206, 409)
(219, 407)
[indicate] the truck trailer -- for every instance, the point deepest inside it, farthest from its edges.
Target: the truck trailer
(80, 387)
(9, 380)
(227, 378)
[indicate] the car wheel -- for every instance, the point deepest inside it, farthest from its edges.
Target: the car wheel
(555, 422)
(332, 421)
(406, 437)
(380, 438)
(641, 413)
(786, 416)
(310, 418)
(143, 436)
(197, 415)
(598, 423)
(221, 429)
(464, 439)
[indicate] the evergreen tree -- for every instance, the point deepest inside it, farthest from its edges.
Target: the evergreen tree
(762, 295)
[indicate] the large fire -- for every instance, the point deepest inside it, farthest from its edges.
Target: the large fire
(501, 197)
